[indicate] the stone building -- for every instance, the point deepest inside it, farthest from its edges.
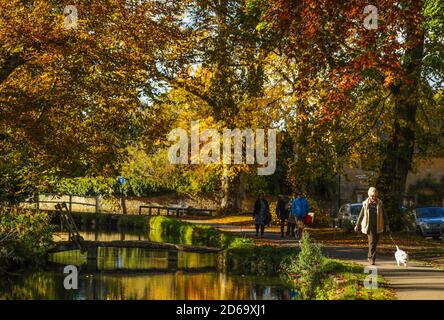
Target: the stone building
(427, 174)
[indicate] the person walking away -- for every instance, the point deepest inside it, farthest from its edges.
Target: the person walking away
(291, 216)
(299, 209)
(261, 214)
(282, 212)
(372, 221)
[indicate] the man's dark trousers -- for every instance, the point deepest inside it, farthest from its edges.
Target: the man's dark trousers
(283, 227)
(373, 238)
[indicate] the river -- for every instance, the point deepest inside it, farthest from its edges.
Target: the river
(139, 274)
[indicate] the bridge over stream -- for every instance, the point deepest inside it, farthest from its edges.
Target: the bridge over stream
(91, 249)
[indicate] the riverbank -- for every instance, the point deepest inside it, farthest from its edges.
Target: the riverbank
(336, 279)
(423, 279)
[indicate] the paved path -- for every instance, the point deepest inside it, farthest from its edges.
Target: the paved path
(416, 282)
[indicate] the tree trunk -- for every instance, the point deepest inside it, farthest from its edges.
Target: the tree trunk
(396, 164)
(123, 204)
(232, 191)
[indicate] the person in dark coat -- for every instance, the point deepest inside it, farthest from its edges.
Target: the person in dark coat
(261, 214)
(282, 212)
(291, 216)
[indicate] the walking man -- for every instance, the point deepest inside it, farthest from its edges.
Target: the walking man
(373, 221)
(282, 212)
(299, 208)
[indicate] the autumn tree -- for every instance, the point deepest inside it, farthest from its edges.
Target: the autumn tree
(363, 78)
(71, 89)
(222, 63)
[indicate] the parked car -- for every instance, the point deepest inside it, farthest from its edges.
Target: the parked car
(348, 215)
(428, 221)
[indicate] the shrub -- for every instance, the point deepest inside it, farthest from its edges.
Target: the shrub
(25, 237)
(306, 267)
(88, 186)
(309, 265)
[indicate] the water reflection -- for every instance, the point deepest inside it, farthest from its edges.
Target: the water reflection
(162, 286)
(127, 273)
(137, 259)
(98, 234)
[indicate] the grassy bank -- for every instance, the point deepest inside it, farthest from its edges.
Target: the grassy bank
(164, 229)
(341, 280)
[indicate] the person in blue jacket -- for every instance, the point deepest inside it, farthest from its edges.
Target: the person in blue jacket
(299, 208)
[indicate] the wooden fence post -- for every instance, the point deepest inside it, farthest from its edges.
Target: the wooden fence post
(97, 204)
(70, 203)
(123, 204)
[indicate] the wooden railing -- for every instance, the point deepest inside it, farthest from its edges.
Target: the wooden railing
(69, 202)
(175, 210)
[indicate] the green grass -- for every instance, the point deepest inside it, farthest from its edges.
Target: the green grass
(164, 229)
(345, 281)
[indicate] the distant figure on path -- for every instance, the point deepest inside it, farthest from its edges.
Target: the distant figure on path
(261, 214)
(282, 212)
(299, 209)
(291, 216)
(373, 221)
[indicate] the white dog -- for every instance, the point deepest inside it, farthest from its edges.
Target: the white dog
(401, 257)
